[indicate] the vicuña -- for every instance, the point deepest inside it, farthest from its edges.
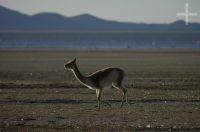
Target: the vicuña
(99, 80)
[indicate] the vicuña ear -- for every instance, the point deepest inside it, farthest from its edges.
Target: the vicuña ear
(74, 60)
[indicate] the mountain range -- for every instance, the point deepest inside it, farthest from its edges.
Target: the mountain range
(13, 20)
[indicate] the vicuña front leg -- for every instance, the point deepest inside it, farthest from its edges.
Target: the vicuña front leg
(98, 93)
(124, 95)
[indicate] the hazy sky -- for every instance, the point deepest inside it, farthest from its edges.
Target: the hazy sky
(149, 11)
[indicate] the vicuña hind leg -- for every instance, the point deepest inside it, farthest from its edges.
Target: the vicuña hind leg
(124, 92)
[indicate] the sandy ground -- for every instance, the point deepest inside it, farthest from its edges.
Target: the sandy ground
(38, 94)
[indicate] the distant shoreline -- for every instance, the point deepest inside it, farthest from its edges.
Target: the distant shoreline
(148, 50)
(99, 39)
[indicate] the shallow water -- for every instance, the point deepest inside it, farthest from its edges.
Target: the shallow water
(100, 39)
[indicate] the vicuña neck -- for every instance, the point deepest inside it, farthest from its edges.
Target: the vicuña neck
(78, 75)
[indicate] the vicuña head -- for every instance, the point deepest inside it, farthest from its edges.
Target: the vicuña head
(71, 64)
(105, 78)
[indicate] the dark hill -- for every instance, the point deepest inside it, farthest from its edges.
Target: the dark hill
(10, 19)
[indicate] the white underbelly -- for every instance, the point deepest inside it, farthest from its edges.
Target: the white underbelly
(92, 88)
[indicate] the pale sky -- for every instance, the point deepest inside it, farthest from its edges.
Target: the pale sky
(148, 11)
